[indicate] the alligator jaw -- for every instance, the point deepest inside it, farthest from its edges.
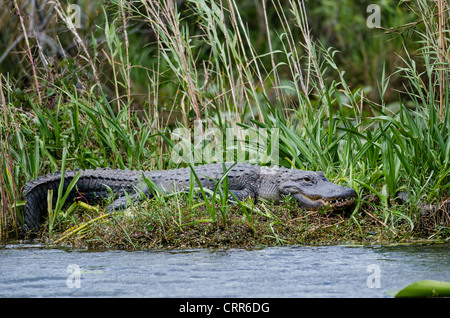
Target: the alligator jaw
(335, 203)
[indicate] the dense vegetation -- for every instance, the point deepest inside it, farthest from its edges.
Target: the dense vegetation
(367, 106)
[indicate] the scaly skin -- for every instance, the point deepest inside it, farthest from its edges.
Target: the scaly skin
(311, 189)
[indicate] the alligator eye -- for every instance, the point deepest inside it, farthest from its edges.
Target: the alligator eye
(305, 179)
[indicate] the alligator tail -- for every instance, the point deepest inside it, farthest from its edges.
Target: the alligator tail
(91, 187)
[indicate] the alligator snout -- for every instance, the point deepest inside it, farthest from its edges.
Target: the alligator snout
(341, 193)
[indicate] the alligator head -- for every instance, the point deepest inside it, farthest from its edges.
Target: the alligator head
(314, 191)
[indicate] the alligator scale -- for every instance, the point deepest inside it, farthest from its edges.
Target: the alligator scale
(311, 189)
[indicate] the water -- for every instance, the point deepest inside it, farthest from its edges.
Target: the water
(324, 271)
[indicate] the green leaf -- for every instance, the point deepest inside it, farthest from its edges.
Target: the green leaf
(425, 288)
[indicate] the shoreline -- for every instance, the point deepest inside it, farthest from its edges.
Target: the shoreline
(152, 227)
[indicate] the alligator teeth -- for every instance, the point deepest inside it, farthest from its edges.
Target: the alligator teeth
(339, 201)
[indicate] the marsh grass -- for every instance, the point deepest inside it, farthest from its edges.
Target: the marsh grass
(204, 57)
(173, 224)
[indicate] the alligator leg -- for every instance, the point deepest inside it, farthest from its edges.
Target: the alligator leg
(124, 201)
(242, 194)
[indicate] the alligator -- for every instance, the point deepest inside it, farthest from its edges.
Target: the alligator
(312, 190)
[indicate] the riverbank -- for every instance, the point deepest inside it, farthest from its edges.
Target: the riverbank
(171, 224)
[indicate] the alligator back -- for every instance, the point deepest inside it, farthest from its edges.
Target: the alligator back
(240, 175)
(92, 186)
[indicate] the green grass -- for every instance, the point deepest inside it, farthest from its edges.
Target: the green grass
(204, 63)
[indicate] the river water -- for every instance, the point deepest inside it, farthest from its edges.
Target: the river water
(302, 271)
